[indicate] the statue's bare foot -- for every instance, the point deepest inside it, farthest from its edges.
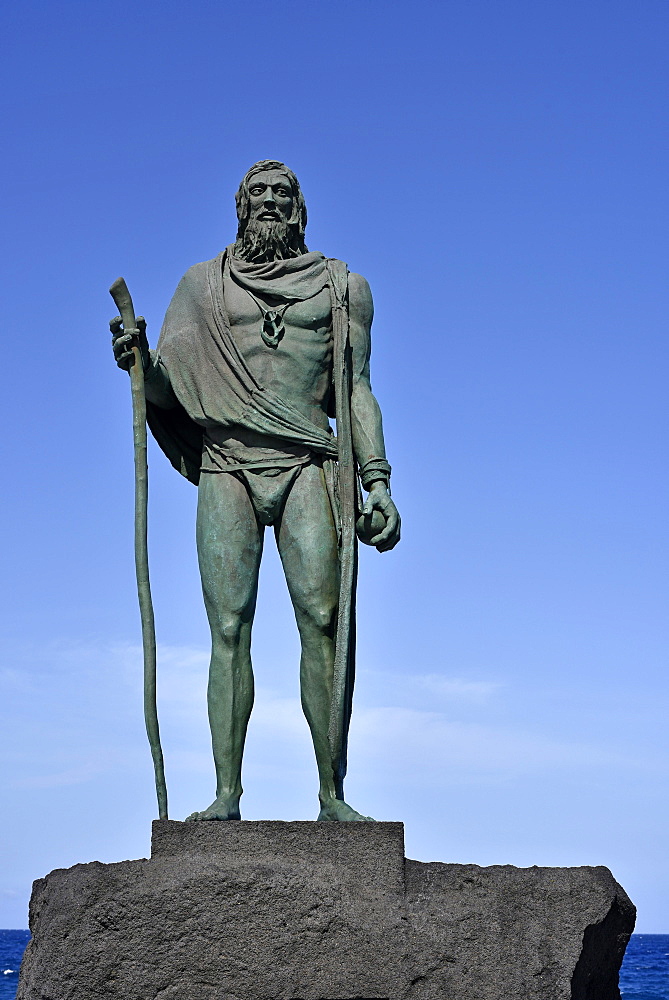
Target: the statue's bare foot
(336, 810)
(223, 807)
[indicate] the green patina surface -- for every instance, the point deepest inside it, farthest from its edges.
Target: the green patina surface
(260, 347)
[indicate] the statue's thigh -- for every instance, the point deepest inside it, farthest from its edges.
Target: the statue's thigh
(229, 542)
(307, 542)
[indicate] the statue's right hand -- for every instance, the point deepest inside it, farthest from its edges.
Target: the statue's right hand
(122, 342)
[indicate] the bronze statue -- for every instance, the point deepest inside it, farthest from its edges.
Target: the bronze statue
(259, 348)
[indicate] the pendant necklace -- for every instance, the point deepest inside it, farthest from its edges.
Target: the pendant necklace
(273, 328)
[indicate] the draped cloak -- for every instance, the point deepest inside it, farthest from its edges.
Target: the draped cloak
(214, 387)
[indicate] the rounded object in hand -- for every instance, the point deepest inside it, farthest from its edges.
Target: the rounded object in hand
(368, 526)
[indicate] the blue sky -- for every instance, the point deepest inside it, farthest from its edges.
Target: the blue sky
(497, 170)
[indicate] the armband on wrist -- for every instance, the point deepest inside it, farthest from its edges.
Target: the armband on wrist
(374, 470)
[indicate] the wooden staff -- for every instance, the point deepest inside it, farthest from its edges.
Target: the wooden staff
(121, 296)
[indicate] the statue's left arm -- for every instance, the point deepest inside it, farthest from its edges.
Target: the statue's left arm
(366, 422)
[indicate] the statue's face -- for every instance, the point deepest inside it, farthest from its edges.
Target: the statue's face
(270, 197)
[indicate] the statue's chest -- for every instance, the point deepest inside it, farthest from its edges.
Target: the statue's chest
(301, 330)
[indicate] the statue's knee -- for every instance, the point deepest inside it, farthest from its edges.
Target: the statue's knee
(228, 629)
(321, 616)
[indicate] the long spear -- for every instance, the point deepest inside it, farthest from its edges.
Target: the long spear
(121, 296)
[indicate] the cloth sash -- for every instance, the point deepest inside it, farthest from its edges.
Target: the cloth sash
(347, 490)
(211, 380)
(292, 280)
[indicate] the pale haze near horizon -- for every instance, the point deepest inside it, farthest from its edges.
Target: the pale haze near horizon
(498, 173)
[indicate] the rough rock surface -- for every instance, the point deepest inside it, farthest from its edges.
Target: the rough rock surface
(504, 933)
(319, 911)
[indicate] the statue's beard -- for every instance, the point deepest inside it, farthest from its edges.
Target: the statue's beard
(262, 241)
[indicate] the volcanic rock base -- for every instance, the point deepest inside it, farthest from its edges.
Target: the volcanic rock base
(319, 911)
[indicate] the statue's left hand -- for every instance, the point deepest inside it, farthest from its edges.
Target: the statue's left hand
(379, 499)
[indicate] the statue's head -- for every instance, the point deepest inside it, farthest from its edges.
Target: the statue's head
(271, 212)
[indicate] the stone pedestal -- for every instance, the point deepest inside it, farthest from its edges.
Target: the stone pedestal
(319, 911)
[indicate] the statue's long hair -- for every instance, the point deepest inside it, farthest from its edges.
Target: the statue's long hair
(298, 220)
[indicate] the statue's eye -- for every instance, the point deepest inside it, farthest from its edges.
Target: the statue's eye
(256, 190)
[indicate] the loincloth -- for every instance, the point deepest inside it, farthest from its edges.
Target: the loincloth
(267, 468)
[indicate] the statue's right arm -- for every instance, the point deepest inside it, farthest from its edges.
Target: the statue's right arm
(157, 386)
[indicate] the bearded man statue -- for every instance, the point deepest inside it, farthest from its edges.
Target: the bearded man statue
(259, 348)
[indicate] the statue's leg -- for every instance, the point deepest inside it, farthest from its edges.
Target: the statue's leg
(307, 542)
(229, 545)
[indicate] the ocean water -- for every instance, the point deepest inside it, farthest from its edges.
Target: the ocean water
(645, 971)
(12, 944)
(644, 975)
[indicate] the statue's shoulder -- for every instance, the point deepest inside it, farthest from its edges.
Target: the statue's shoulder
(195, 283)
(360, 297)
(357, 284)
(359, 292)
(199, 272)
